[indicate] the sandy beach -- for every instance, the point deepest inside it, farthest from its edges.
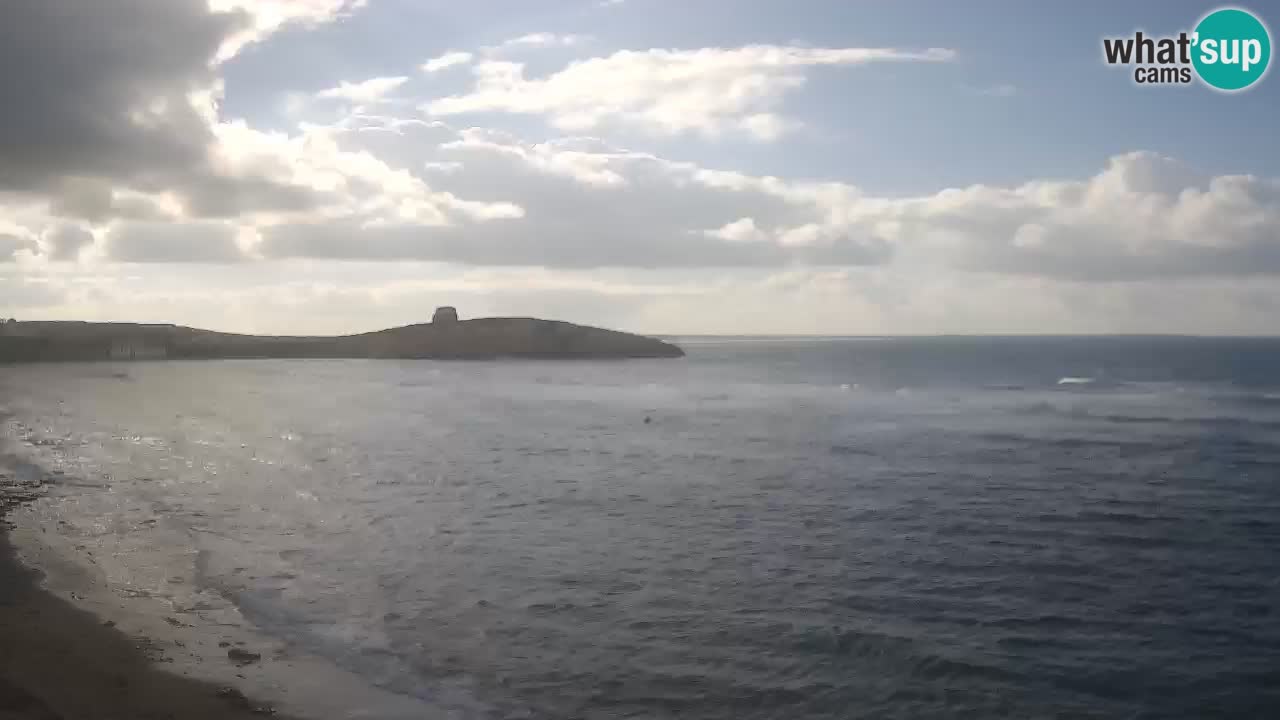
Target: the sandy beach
(62, 663)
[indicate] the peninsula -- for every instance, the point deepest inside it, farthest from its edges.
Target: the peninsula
(445, 337)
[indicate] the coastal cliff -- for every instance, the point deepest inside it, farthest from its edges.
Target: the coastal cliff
(444, 338)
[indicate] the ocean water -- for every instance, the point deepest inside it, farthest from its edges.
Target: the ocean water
(880, 528)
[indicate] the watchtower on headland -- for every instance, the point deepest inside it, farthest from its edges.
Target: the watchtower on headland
(445, 315)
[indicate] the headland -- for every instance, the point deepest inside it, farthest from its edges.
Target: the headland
(445, 337)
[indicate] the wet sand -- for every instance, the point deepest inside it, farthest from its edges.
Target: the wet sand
(58, 662)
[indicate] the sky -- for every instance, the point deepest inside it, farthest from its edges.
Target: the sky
(823, 167)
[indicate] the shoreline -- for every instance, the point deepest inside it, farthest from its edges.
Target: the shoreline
(74, 649)
(61, 662)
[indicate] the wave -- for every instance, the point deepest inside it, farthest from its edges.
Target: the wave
(1239, 422)
(1045, 407)
(1076, 442)
(1077, 381)
(852, 450)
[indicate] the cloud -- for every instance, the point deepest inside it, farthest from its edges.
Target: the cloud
(386, 188)
(124, 187)
(1144, 216)
(542, 40)
(119, 105)
(368, 91)
(266, 17)
(96, 200)
(11, 244)
(582, 204)
(66, 241)
(578, 202)
(339, 182)
(667, 92)
(767, 126)
(447, 60)
(740, 230)
(149, 242)
(554, 158)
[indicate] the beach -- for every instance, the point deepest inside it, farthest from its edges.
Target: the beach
(80, 644)
(63, 663)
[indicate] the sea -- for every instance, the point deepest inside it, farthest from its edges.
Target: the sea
(799, 528)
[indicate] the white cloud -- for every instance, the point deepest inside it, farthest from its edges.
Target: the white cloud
(269, 16)
(668, 92)
(1144, 216)
(741, 230)
(540, 40)
(447, 60)
(582, 204)
(767, 126)
(556, 158)
(367, 91)
(442, 166)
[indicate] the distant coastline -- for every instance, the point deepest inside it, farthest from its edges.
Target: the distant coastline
(445, 337)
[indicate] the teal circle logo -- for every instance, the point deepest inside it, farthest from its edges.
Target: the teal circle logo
(1231, 49)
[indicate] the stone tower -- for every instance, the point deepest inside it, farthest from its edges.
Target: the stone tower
(445, 315)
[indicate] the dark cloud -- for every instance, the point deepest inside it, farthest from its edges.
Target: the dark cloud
(94, 200)
(551, 242)
(66, 241)
(83, 198)
(96, 94)
(151, 242)
(214, 196)
(74, 75)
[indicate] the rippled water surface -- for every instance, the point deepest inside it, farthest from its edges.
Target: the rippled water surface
(766, 529)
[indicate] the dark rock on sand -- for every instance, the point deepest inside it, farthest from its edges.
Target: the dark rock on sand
(243, 657)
